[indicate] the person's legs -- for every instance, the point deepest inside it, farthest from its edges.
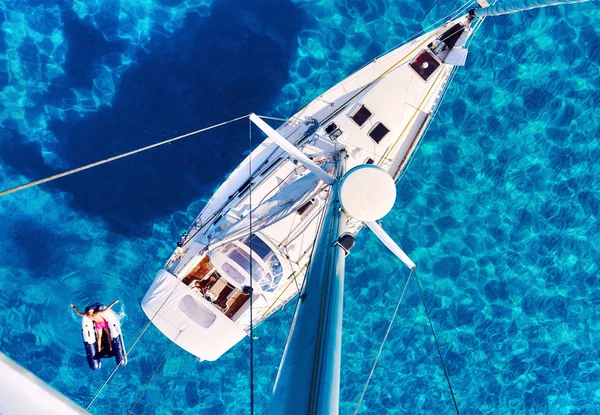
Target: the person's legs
(109, 339)
(99, 335)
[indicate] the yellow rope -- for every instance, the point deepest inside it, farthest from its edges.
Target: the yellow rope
(391, 68)
(284, 290)
(411, 119)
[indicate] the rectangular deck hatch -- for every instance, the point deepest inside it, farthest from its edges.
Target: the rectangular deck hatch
(361, 116)
(425, 65)
(378, 132)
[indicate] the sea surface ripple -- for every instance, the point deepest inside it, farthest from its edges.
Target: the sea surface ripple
(500, 208)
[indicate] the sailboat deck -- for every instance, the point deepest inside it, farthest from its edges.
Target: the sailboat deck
(377, 115)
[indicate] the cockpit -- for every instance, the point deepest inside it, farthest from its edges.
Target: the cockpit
(222, 277)
(239, 259)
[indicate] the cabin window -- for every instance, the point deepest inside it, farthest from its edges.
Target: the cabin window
(331, 128)
(233, 273)
(264, 251)
(242, 258)
(361, 116)
(245, 186)
(333, 131)
(305, 207)
(378, 132)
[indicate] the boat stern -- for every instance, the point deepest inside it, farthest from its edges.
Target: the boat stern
(189, 320)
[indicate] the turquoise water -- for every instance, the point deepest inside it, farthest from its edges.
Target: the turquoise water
(499, 209)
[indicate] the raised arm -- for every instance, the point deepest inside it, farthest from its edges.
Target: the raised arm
(110, 305)
(75, 309)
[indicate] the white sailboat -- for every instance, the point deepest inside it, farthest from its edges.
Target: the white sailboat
(284, 220)
(265, 217)
(252, 242)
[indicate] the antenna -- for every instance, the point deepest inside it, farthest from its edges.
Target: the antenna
(368, 193)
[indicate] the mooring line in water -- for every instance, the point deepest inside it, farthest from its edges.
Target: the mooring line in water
(437, 343)
(128, 353)
(148, 383)
(129, 153)
(152, 377)
(102, 387)
(362, 395)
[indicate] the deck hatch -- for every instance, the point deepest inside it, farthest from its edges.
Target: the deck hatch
(451, 36)
(333, 131)
(331, 128)
(378, 132)
(425, 65)
(361, 115)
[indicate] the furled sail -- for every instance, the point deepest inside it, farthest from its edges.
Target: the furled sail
(283, 203)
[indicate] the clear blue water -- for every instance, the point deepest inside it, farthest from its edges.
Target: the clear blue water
(500, 208)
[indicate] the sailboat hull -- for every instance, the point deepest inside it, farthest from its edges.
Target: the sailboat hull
(377, 115)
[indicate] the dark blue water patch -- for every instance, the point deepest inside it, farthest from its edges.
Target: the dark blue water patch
(445, 223)
(30, 58)
(495, 290)
(209, 71)
(86, 47)
(20, 155)
(447, 267)
(35, 246)
(191, 394)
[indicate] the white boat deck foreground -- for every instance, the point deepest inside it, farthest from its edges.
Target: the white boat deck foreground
(21, 393)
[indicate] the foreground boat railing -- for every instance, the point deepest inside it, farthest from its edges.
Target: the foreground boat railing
(23, 393)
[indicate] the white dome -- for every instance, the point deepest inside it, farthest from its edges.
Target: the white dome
(367, 192)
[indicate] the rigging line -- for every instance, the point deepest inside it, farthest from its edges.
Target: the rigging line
(120, 156)
(147, 384)
(437, 343)
(448, 17)
(440, 101)
(428, 11)
(307, 268)
(149, 381)
(312, 249)
(251, 276)
(362, 395)
(152, 377)
(264, 117)
(128, 353)
(102, 387)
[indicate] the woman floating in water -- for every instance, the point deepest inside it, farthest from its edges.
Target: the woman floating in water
(99, 322)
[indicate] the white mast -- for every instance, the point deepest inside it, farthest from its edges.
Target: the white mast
(507, 7)
(308, 381)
